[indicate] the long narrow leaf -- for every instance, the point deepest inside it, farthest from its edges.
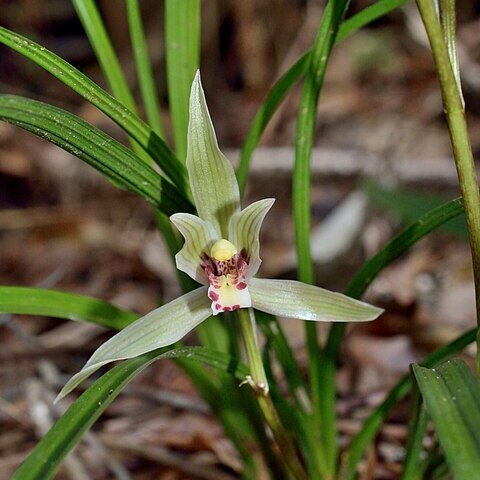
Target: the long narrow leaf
(182, 41)
(144, 67)
(94, 94)
(47, 456)
(92, 22)
(371, 426)
(283, 85)
(413, 469)
(118, 164)
(452, 399)
(323, 396)
(357, 287)
(52, 303)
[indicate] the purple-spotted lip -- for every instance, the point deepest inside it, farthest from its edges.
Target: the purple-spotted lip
(228, 288)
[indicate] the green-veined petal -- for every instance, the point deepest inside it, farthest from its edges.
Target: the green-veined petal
(159, 328)
(212, 179)
(244, 230)
(288, 298)
(199, 238)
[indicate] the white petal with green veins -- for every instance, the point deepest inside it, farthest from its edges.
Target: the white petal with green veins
(244, 231)
(199, 238)
(159, 328)
(288, 298)
(212, 178)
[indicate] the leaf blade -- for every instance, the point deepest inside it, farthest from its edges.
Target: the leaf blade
(46, 458)
(94, 94)
(284, 84)
(371, 426)
(182, 39)
(120, 165)
(144, 67)
(452, 399)
(68, 306)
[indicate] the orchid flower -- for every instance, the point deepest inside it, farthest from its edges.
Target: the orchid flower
(221, 252)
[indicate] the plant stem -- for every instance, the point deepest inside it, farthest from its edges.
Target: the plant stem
(259, 383)
(462, 150)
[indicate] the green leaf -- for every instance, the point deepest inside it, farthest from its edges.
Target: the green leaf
(371, 426)
(91, 92)
(368, 15)
(51, 303)
(284, 84)
(401, 243)
(182, 49)
(452, 399)
(288, 298)
(92, 22)
(160, 328)
(273, 331)
(144, 67)
(47, 456)
(411, 205)
(323, 402)
(212, 179)
(413, 469)
(118, 164)
(265, 112)
(357, 287)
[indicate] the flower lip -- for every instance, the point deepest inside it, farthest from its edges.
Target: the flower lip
(228, 288)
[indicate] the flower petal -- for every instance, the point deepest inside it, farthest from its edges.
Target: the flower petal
(212, 179)
(159, 328)
(288, 298)
(199, 238)
(244, 230)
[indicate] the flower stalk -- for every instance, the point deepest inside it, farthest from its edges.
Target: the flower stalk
(259, 383)
(457, 126)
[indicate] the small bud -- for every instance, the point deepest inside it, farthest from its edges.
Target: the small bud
(223, 250)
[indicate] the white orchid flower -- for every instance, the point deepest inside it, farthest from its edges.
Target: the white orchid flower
(221, 252)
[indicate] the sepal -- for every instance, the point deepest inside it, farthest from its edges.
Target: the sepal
(288, 298)
(159, 328)
(212, 178)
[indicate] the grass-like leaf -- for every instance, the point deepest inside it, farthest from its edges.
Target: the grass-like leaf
(52, 303)
(410, 205)
(283, 85)
(117, 163)
(94, 94)
(47, 456)
(144, 67)
(413, 469)
(89, 15)
(452, 399)
(371, 426)
(357, 287)
(322, 395)
(182, 42)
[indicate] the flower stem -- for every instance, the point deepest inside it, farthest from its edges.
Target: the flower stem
(457, 125)
(259, 383)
